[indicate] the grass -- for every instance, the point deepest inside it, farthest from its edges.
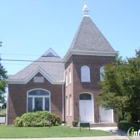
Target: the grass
(46, 132)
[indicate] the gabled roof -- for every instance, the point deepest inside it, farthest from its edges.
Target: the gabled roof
(50, 67)
(50, 53)
(89, 38)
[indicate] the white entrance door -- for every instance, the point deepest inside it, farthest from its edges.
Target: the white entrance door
(86, 108)
(106, 115)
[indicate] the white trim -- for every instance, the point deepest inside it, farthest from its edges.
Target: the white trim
(37, 70)
(84, 52)
(63, 98)
(50, 50)
(34, 96)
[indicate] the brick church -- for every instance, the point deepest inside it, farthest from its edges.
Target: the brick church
(65, 86)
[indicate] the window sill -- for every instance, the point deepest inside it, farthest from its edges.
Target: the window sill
(85, 81)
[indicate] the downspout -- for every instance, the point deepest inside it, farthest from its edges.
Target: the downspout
(63, 102)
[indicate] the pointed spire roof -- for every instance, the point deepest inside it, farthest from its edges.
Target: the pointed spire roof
(89, 37)
(89, 40)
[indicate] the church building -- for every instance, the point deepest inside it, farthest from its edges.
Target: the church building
(65, 86)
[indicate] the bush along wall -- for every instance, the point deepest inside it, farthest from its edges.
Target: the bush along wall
(37, 119)
(125, 126)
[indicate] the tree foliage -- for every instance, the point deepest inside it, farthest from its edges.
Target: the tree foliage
(3, 76)
(121, 86)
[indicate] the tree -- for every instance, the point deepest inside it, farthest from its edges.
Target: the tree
(121, 86)
(3, 76)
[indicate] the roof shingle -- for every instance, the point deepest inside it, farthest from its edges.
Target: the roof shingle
(89, 38)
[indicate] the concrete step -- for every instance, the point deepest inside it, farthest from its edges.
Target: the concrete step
(103, 125)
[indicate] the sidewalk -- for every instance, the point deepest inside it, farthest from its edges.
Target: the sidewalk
(78, 138)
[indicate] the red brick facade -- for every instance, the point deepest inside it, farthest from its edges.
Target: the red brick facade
(77, 87)
(17, 98)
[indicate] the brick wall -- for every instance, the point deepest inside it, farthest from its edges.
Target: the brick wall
(78, 87)
(18, 97)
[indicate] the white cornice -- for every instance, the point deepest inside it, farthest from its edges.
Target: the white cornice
(92, 53)
(26, 80)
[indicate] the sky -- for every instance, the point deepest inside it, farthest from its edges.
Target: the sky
(28, 28)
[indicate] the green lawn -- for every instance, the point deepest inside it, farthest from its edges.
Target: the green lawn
(46, 132)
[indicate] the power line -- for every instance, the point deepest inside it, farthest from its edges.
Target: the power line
(23, 54)
(30, 60)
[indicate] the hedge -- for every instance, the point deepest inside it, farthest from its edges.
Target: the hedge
(125, 126)
(37, 119)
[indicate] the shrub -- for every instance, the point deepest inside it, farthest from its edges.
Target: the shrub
(3, 113)
(75, 123)
(37, 119)
(17, 121)
(123, 125)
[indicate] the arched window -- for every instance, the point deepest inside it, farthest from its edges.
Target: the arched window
(85, 74)
(85, 96)
(38, 100)
(101, 73)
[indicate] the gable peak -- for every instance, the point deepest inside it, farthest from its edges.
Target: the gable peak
(50, 53)
(85, 10)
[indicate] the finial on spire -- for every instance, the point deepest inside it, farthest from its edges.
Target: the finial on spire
(85, 10)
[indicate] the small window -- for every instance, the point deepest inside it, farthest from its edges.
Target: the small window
(67, 106)
(69, 76)
(70, 105)
(66, 79)
(85, 74)
(85, 96)
(101, 73)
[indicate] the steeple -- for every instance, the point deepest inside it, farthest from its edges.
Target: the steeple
(88, 40)
(85, 10)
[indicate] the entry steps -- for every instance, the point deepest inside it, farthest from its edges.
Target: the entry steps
(102, 124)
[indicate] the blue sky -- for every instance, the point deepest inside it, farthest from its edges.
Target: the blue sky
(28, 28)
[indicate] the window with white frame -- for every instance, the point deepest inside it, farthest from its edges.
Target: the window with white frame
(70, 76)
(101, 73)
(38, 100)
(70, 98)
(66, 79)
(67, 106)
(85, 74)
